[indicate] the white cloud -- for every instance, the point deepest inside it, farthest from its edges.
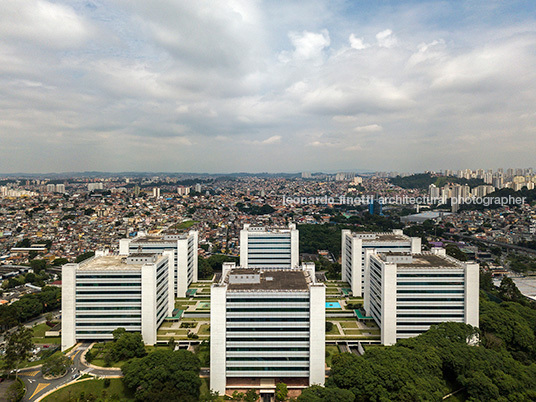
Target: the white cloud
(307, 46)
(50, 24)
(386, 38)
(357, 43)
(226, 78)
(368, 129)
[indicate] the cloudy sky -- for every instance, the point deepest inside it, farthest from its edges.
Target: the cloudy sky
(245, 85)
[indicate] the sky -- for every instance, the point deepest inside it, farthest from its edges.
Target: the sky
(266, 86)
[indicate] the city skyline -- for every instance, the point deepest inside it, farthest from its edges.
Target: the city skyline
(271, 87)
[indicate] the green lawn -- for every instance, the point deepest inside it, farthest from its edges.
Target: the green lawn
(204, 329)
(184, 225)
(39, 335)
(116, 391)
(349, 324)
(334, 331)
(331, 350)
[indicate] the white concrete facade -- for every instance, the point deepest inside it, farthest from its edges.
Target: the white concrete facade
(353, 248)
(269, 247)
(317, 333)
(218, 378)
(407, 293)
(267, 324)
(108, 292)
(184, 259)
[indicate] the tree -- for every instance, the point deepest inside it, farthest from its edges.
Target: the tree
(164, 375)
(204, 268)
(454, 251)
(18, 345)
(251, 396)
(84, 256)
(126, 345)
(281, 391)
(509, 291)
(38, 265)
(329, 326)
(15, 391)
(56, 365)
(316, 393)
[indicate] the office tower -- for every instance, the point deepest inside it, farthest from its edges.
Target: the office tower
(156, 192)
(267, 326)
(108, 292)
(405, 293)
(183, 259)
(353, 251)
(269, 247)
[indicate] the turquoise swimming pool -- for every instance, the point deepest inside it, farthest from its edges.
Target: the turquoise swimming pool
(333, 305)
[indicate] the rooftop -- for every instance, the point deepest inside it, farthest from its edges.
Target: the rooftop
(380, 236)
(110, 263)
(286, 279)
(423, 260)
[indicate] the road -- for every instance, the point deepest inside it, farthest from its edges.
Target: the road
(37, 386)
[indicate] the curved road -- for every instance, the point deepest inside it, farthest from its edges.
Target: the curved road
(37, 386)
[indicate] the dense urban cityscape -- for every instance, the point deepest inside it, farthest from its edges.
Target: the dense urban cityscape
(56, 228)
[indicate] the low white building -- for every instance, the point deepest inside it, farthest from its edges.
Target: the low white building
(108, 292)
(269, 247)
(267, 325)
(184, 258)
(406, 293)
(353, 249)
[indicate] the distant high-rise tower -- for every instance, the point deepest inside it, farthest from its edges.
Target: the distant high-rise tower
(269, 247)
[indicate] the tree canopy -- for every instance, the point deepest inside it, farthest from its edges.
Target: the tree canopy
(164, 375)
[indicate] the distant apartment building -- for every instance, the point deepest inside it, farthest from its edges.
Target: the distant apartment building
(353, 249)
(269, 247)
(108, 292)
(95, 186)
(267, 326)
(407, 293)
(181, 190)
(51, 188)
(184, 254)
(60, 188)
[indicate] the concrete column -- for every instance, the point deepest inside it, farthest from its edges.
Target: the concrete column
(123, 246)
(244, 247)
(182, 267)
(148, 303)
(366, 291)
(472, 279)
(388, 329)
(415, 245)
(317, 331)
(195, 234)
(218, 338)
(344, 234)
(357, 267)
(294, 247)
(68, 305)
(171, 280)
